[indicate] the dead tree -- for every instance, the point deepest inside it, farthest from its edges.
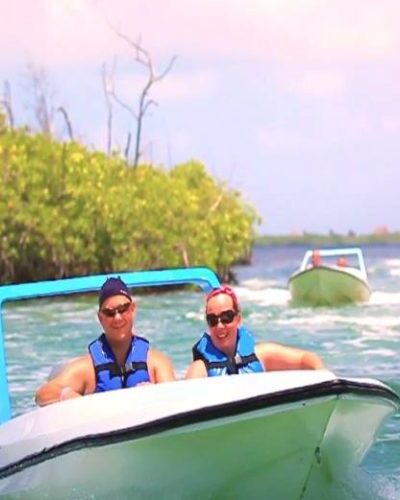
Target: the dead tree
(68, 124)
(108, 88)
(128, 146)
(43, 108)
(7, 105)
(142, 57)
(42, 102)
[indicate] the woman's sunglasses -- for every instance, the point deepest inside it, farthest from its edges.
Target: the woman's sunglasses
(111, 312)
(226, 317)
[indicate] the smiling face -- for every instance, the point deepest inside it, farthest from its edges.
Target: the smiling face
(222, 331)
(116, 316)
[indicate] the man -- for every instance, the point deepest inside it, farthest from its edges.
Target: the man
(228, 348)
(117, 359)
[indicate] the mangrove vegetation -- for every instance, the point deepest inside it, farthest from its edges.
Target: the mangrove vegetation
(66, 210)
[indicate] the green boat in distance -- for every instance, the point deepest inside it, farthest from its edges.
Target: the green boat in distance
(341, 278)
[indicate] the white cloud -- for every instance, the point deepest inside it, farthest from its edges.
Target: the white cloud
(390, 125)
(277, 138)
(337, 126)
(318, 83)
(62, 31)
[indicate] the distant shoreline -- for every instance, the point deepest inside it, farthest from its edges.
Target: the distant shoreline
(328, 240)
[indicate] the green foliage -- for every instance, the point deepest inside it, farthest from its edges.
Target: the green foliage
(67, 211)
(333, 239)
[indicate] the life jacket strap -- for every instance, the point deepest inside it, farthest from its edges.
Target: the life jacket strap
(120, 371)
(232, 365)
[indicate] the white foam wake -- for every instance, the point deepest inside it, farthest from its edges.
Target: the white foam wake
(264, 297)
(384, 298)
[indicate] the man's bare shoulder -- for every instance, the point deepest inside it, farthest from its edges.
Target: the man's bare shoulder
(80, 363)
(77, 375)
(78, 372)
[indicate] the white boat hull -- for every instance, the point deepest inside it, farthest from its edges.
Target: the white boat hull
(328, 285)
(291, 434)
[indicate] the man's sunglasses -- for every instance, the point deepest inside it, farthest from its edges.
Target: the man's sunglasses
(111, 312)
(226, 317)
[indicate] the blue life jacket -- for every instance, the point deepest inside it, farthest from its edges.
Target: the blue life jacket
(111, 376)
(217, 363)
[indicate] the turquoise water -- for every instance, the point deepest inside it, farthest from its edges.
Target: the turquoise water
(362, 340)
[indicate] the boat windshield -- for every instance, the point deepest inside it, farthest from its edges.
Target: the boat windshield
(339, 257)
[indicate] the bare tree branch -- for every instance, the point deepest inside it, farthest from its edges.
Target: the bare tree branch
(215, 205)
(166, 70)
(148, 104)
(64, 113)
(42, 107)
(7, 105)
(127, 147)
(124, 105)
(185, 256)
(108, 87)
(142, 57)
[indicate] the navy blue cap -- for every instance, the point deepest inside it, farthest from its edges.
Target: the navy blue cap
(111, 287)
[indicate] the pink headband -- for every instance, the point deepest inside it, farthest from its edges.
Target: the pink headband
(227, 290)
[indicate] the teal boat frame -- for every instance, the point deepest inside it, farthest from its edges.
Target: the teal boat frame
(203, 277)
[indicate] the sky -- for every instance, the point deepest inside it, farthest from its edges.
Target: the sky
(296, 103)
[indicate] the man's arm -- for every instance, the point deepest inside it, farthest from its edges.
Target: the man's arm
(160, 366)
(280, 357)
(196, 370)
(76, 379)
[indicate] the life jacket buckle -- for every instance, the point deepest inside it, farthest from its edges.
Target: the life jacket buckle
(127, 368)
(238, 360)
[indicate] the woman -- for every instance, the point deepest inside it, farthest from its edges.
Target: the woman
(229, 348)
